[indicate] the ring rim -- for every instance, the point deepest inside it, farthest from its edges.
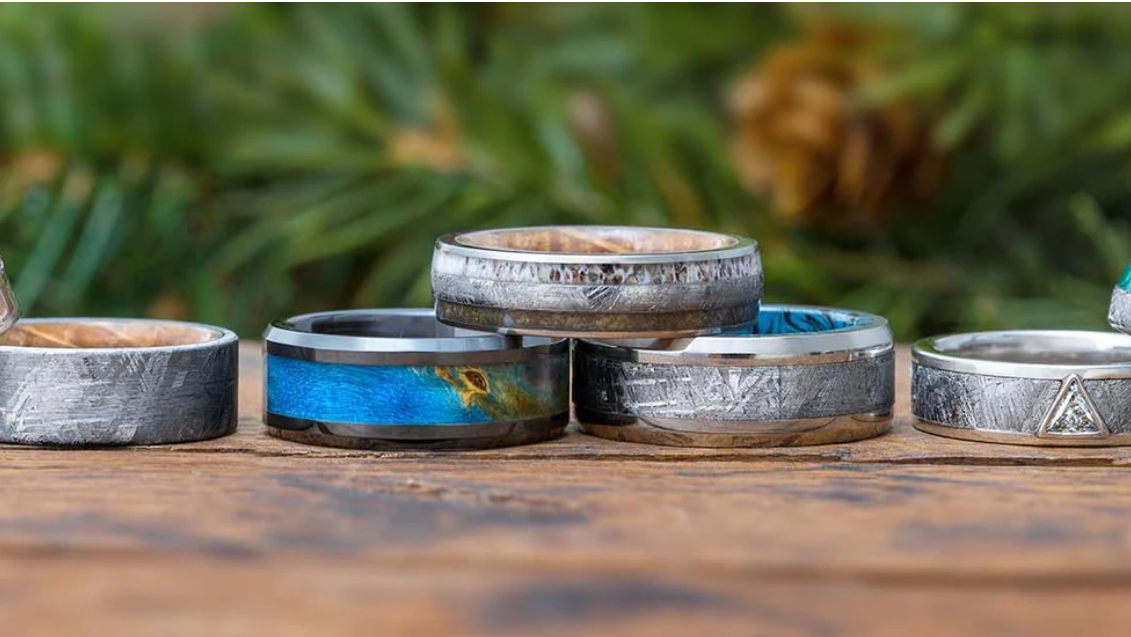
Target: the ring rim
(282, 337)
(871, 337)
(929, 352)
(741, 246)
(223, 336)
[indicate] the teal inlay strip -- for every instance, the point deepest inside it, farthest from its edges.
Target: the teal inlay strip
(1125, 281)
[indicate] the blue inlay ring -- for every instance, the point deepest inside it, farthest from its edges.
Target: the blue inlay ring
(399, 378)
(805, 375)
(1119, 312)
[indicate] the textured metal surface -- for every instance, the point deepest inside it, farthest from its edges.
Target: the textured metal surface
(9, 309)
(584, 294)
(726, 393)
(118, 396)
(1119, 313)
(974, 404)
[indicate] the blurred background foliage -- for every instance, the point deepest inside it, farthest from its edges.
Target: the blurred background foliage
(949, 166)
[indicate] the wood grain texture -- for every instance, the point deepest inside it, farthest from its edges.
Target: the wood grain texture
(250, 535)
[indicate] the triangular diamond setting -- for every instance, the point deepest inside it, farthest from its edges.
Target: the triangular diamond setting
(1072, 413)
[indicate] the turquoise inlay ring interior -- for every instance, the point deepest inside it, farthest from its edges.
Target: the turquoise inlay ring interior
(402, 375)
(780, 330)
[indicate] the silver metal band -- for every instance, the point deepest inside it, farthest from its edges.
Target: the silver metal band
(1033, 387)
(596, 281)
(9, 309)
(1119, 312)
(387, 379)
(116, 382)
(830, 384)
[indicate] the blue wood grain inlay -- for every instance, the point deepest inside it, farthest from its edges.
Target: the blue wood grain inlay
(362, 394)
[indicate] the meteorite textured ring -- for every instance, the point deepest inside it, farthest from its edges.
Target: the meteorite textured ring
(597, 281)
(1031, 387)
(9, 309)
(384, 379)
(1119, 314)
(116, 382)
(809, 376)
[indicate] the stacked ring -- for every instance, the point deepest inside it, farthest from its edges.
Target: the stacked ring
(1119, 313)
(1031, 387)
(596, 281)
(9, 310)
(384, 379)
(116, 382)
(809, 376)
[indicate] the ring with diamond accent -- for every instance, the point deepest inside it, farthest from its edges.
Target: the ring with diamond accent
(393, 379)
(9, 309)
(1119, 312)
(807, 376)
(1028, 387)
(597, 281)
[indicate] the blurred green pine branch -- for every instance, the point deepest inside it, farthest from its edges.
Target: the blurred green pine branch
(237, 164)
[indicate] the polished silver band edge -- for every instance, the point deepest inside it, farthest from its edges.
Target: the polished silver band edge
(927, 352)
(282, 339)
(1016, 438)
(872, 338)
(707, 434)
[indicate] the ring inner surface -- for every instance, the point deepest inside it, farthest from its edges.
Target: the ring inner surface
(105, 334)
(772, 321)
(597, 240)
(1042, 349)
(381, 326)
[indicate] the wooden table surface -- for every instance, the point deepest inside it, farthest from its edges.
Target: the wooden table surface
(250, 535)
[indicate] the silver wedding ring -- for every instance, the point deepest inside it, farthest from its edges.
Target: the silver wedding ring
(596, 281)
(810, 376)
(1032, 387)
(116, 382)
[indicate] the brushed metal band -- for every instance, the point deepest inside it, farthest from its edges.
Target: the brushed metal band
(1030, 387)
(596, 281)
(810, 376)
(385, 379)
(9, 309)
(159, 393)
